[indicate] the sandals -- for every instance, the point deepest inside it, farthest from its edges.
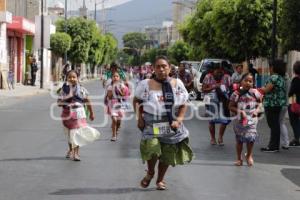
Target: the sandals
(161, 185)
(145, 182)
(113, 139)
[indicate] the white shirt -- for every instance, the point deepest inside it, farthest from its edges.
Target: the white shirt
(153, 99)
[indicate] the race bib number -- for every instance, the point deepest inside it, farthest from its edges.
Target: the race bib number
(162, 129)
(78, 113)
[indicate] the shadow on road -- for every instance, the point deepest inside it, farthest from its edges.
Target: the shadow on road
(289, 173)
(32, 159)
(91, 191)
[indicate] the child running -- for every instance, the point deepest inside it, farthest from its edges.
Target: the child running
(116, 92)
(246, 104)
(73, 98)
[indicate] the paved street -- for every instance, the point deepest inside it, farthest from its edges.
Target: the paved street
(33, 167)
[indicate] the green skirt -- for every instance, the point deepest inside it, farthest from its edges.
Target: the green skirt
(170, 154)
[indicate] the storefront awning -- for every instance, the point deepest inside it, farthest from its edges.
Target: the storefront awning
(22, 25)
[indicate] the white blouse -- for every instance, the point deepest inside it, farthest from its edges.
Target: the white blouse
(153, 99)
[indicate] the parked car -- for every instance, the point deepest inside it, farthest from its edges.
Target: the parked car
(200, 69)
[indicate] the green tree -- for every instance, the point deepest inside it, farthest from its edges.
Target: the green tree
(134, 40)
(198, 32)
(150, 54)
(81, 31)
(60, 43)
(110, 49)
(236, 29)
(179, 51)
(133, 43)
(96, 51)
(290, 25)
(122, 57)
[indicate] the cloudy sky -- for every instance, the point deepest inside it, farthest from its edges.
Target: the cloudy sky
(75, 4)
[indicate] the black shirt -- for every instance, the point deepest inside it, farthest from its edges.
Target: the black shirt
(295, 88)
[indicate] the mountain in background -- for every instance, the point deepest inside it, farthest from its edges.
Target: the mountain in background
(132, 16)
(135, 16)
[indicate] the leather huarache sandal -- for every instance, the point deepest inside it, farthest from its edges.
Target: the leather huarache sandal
(145, 182)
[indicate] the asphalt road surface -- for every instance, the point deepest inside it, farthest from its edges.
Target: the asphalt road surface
(33, 167)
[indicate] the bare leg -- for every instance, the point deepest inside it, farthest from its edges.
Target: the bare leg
(150, 172)
(162, 169)
(239, 149)
(249, 155)
(118, 125)
(221, 133)
(69, 153)
(76, 150)
(151, 165)
(212, 133)
(76, 154)
(114, 127)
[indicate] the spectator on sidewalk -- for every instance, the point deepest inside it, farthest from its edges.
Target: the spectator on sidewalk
(34, 69)
(294, 95)
(11, 80)
(274, 101)
(284, 133)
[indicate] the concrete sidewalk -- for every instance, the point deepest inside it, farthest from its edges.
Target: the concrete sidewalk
(23, 91)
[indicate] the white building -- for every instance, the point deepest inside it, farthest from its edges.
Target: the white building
(5, 18)
(181, 9)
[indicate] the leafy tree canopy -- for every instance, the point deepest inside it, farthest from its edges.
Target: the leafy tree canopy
(60, 43)
(179, 51)
(236, 29)
(134, 40)
(290, 25)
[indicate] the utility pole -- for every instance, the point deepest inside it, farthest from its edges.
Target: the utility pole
(95, 14)
(42, 46)
(274, 30)
(103, 17)
(66, 16)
